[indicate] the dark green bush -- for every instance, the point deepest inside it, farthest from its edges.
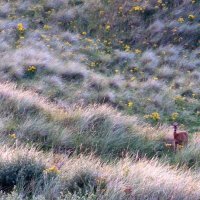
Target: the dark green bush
(24, 174)
(81, 183)
(75, 2)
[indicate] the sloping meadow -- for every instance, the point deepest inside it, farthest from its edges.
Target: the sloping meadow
(98, 128)
(27, 117)
(45, 176)
(157, 62)
(63, 134)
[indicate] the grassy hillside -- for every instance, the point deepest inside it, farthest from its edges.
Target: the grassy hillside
(89, 91)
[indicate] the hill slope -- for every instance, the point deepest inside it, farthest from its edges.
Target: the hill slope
(88, 91)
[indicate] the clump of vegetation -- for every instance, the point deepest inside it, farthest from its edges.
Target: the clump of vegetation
(25, 175)
(30, 71)
(81, 184)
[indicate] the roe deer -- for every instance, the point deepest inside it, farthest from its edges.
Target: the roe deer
(180, 138)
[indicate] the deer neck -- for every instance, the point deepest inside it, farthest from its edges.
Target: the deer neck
(175, 131)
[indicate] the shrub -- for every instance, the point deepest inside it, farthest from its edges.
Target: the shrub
(24, 174)
(82, 183)
(30, 71)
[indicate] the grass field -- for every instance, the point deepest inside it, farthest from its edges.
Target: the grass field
(89, 90)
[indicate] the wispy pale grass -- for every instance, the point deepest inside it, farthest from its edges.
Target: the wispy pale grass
(93, 127)
(124, 179)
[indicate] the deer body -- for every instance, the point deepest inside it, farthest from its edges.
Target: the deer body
(180, 138)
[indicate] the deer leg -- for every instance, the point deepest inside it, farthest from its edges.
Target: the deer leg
(175, 146)
(185, 143)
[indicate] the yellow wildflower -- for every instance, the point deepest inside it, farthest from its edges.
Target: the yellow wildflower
(155, 116)
(174, 116)
(116, 71)
(136, 8)
(130, 104)
(52, 169)
(46, 27)
(20, 27)
(191, 17)
(133, 78)
(127, 48)
(31, 69)
(146, 116)
(138, 51)
(101, 12)
(13, 136)
(92, 64)
(179, 98)
(181, 19)
(107, 27)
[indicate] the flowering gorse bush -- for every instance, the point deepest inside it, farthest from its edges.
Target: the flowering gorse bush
(174, 116)
(20, 28)
(52, 169)
(13, 136)
(30, 71)
(155, 116)
(20, 34)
